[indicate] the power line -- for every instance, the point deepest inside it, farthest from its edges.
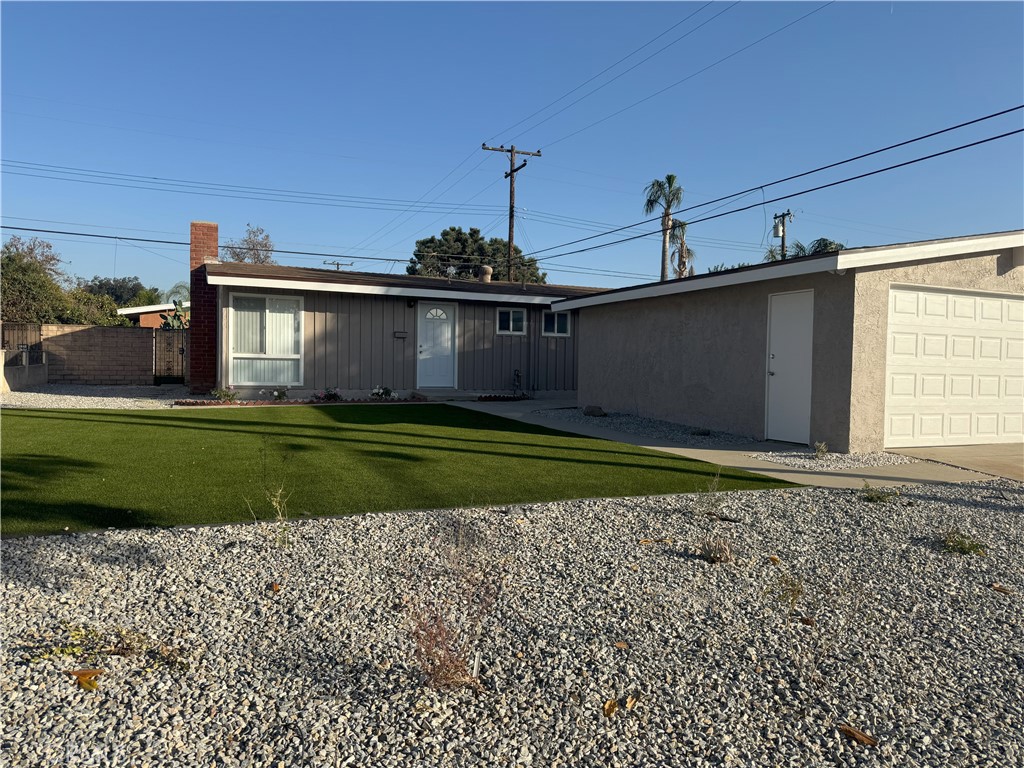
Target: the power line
(316, 254)
(609, 68)
(797, 194)
(409, 213)
(609, 82)
(95, 226)
(689, 77)
(163, 184)
(819, 169)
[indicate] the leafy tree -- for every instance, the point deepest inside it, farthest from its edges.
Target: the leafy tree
(86, 308)
(33, 289)
(459, 254)
(666, 195)
(255, 248)
(798, 250)
(125, 291)
(30, 282)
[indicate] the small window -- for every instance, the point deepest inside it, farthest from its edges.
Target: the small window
(512, 321)
(436, 314)
(556, 323)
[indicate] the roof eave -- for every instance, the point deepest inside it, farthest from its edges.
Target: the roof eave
(705, 282)
(239, 281)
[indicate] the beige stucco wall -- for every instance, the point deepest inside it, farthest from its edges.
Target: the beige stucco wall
(975, 272)
(699, 358)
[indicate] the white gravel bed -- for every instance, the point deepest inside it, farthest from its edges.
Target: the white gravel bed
(692, 437)
(92, 396)
(828, 462)
(601, 599)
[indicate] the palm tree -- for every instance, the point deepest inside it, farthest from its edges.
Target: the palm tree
(798, 250)
(682, 255)
(666, 195)
(177, 292)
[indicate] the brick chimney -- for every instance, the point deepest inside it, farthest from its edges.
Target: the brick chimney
(202, 354)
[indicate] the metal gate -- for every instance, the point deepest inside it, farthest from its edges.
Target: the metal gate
(23, 337)
(169, 351)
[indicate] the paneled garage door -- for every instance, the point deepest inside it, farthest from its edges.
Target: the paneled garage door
(954, 368)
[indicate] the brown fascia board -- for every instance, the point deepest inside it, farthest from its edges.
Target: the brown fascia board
(306, 274)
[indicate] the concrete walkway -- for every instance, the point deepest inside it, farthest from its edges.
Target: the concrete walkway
(922, 472)
(1002, 459)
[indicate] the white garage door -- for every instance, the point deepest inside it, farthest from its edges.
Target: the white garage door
(954, 368)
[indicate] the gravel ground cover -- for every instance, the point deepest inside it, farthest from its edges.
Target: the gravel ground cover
(91, 396)
(828, 462)
(692, 437)
(836, 611)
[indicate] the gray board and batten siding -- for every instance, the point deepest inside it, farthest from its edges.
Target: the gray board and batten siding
(354, 341)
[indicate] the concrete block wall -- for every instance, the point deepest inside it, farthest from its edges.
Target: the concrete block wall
(90, 354)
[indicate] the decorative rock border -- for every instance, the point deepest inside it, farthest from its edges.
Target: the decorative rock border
(242, 403)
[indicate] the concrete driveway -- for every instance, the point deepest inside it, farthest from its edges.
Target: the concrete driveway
(1003, 460)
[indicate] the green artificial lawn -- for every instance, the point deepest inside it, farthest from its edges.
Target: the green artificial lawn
(83, 470)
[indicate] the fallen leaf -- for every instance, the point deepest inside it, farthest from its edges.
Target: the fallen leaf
(655, 541)
(611, 707)
(274, 587)
(521, 521)
(1000, 588)
(630, 702)
(519, 654)
(622, 645)
(634, 567)
(774, 560)
(86, 678)
(808, 620)
(646, 541)
(858, 735)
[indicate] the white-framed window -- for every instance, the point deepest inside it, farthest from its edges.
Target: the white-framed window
(511, 321)
(266, 340)
(556, 324)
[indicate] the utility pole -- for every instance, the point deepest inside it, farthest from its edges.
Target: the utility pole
(338, 264)
(779, 230)
(511, 176)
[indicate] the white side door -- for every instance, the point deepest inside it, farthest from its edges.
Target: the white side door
(788, 389)
(435, 331)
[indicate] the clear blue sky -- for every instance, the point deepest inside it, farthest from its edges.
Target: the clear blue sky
(392, 101)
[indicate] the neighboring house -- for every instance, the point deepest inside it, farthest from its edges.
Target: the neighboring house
(913, 344)
(255, 326)
(149, 316)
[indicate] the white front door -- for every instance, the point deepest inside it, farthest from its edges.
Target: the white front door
(790, 339)
(954, 372)
(435, 331)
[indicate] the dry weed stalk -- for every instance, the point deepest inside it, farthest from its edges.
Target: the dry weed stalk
(449, 607)
(716, 550)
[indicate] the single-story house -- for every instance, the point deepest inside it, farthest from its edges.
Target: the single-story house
(149, 315)
(913, 344)
(254, 326)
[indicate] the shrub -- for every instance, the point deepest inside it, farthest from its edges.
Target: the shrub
(329, 395)
(279, 393)
(877, 495)
(225, 395)
(383, 393)
(955, 540)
